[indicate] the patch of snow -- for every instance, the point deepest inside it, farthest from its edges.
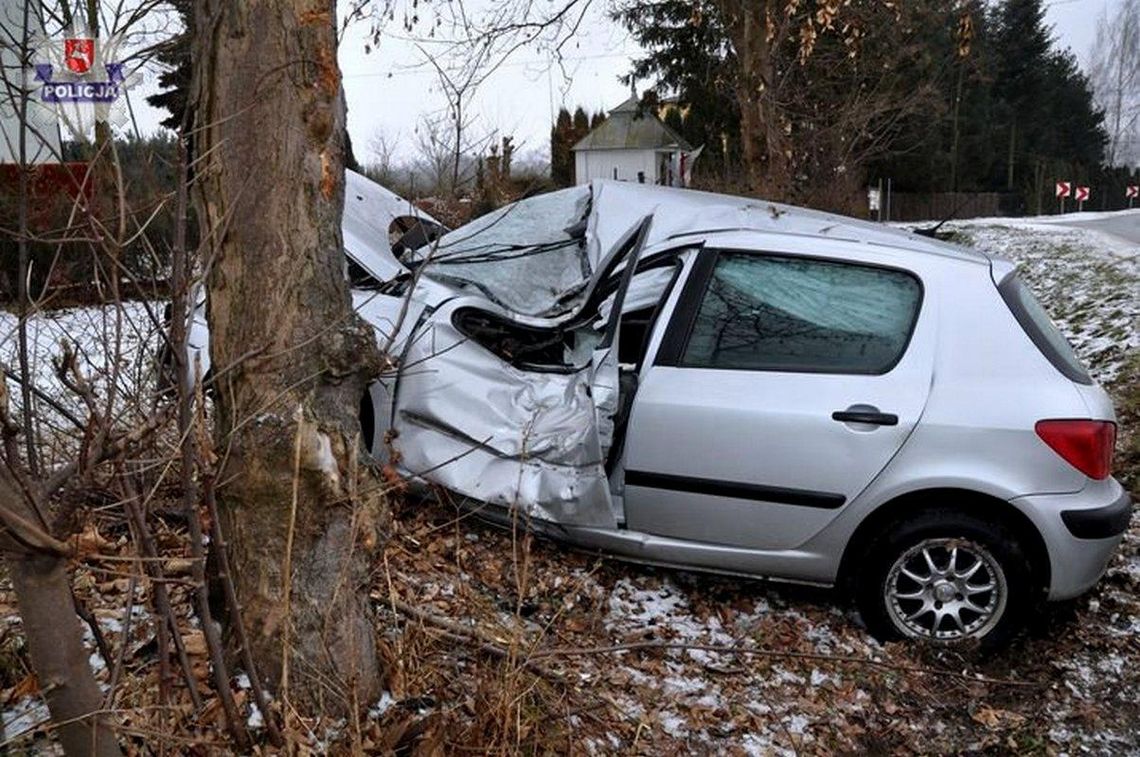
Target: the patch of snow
(683, 685)
(382, 705)
(761, 745)
(24, 716)
(255, 719)
(1113, 664)
(758, 708)
(115, 351)
(797, 724)
(1089, 283)
(673, 724)
(631, 605)
(784, 676)
(711, 701)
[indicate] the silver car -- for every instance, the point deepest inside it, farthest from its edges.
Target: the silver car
(730, 385)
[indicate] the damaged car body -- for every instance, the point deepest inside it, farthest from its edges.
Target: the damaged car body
(717, 383)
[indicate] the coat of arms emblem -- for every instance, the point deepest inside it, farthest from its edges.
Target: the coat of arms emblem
(79, 54)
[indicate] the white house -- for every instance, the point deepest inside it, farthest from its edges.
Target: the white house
(633, 146)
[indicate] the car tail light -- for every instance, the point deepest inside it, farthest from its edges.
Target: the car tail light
(1085, 445)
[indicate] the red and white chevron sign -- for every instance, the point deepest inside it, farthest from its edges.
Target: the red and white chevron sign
(1082, 194)
(1132, 191)
(1064, 188)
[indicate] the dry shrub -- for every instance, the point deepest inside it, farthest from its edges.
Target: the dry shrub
(1126, 394)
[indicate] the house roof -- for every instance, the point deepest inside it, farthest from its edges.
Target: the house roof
(627, 129)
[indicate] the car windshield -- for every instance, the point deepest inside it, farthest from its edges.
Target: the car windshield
(530, 256)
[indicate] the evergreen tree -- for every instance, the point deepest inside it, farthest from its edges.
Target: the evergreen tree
(175, 80)
(800, 95)
(950, 147)
(687, 53)
(561, 140)
(1047, 124)
(1022, 50)
(1001, 108)
(581, 121)
(565, 133)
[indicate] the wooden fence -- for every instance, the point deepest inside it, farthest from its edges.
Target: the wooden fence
(936, 206)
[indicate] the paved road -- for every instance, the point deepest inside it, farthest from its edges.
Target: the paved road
(1126, 226)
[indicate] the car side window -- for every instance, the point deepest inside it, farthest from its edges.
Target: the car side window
(775, 313)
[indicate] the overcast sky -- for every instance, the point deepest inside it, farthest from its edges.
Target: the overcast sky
(391, 90)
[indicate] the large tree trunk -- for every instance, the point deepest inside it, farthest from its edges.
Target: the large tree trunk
(762, 145)
(290, 358)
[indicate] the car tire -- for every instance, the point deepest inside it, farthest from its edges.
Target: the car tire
(947, 577)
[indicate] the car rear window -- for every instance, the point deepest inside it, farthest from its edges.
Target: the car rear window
(767, 312)
(1040, 329)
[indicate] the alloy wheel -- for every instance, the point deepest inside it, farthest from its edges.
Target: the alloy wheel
(945, 589)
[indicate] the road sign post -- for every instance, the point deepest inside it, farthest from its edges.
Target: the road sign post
(1132, 191)
(875, 201)
(1064, 189)
(1082, 194)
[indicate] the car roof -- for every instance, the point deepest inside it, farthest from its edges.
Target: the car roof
(679, 213)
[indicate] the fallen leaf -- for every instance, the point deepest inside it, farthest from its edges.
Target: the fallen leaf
(90, 542)
(178, 566)
(195, 643)
(26, 686)
(994, 718)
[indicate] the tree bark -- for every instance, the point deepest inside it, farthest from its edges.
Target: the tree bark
(290, 358)
(55, 643)
(762, 147)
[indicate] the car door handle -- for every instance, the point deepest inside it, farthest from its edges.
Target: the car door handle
(872, 417)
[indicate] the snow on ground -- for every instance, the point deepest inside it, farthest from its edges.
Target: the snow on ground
(786, 671)
(116, 349)
(1068, 219)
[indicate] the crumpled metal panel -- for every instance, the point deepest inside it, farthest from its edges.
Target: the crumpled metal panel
(528, 257)
(369, 210)
(472, 423)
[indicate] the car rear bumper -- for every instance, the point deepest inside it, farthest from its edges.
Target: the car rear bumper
(1081, 533)
(1100, 522)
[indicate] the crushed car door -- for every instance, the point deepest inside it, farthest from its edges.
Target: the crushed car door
(517, 411)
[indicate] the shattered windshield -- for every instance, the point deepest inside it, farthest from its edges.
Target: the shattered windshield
(529, 257)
